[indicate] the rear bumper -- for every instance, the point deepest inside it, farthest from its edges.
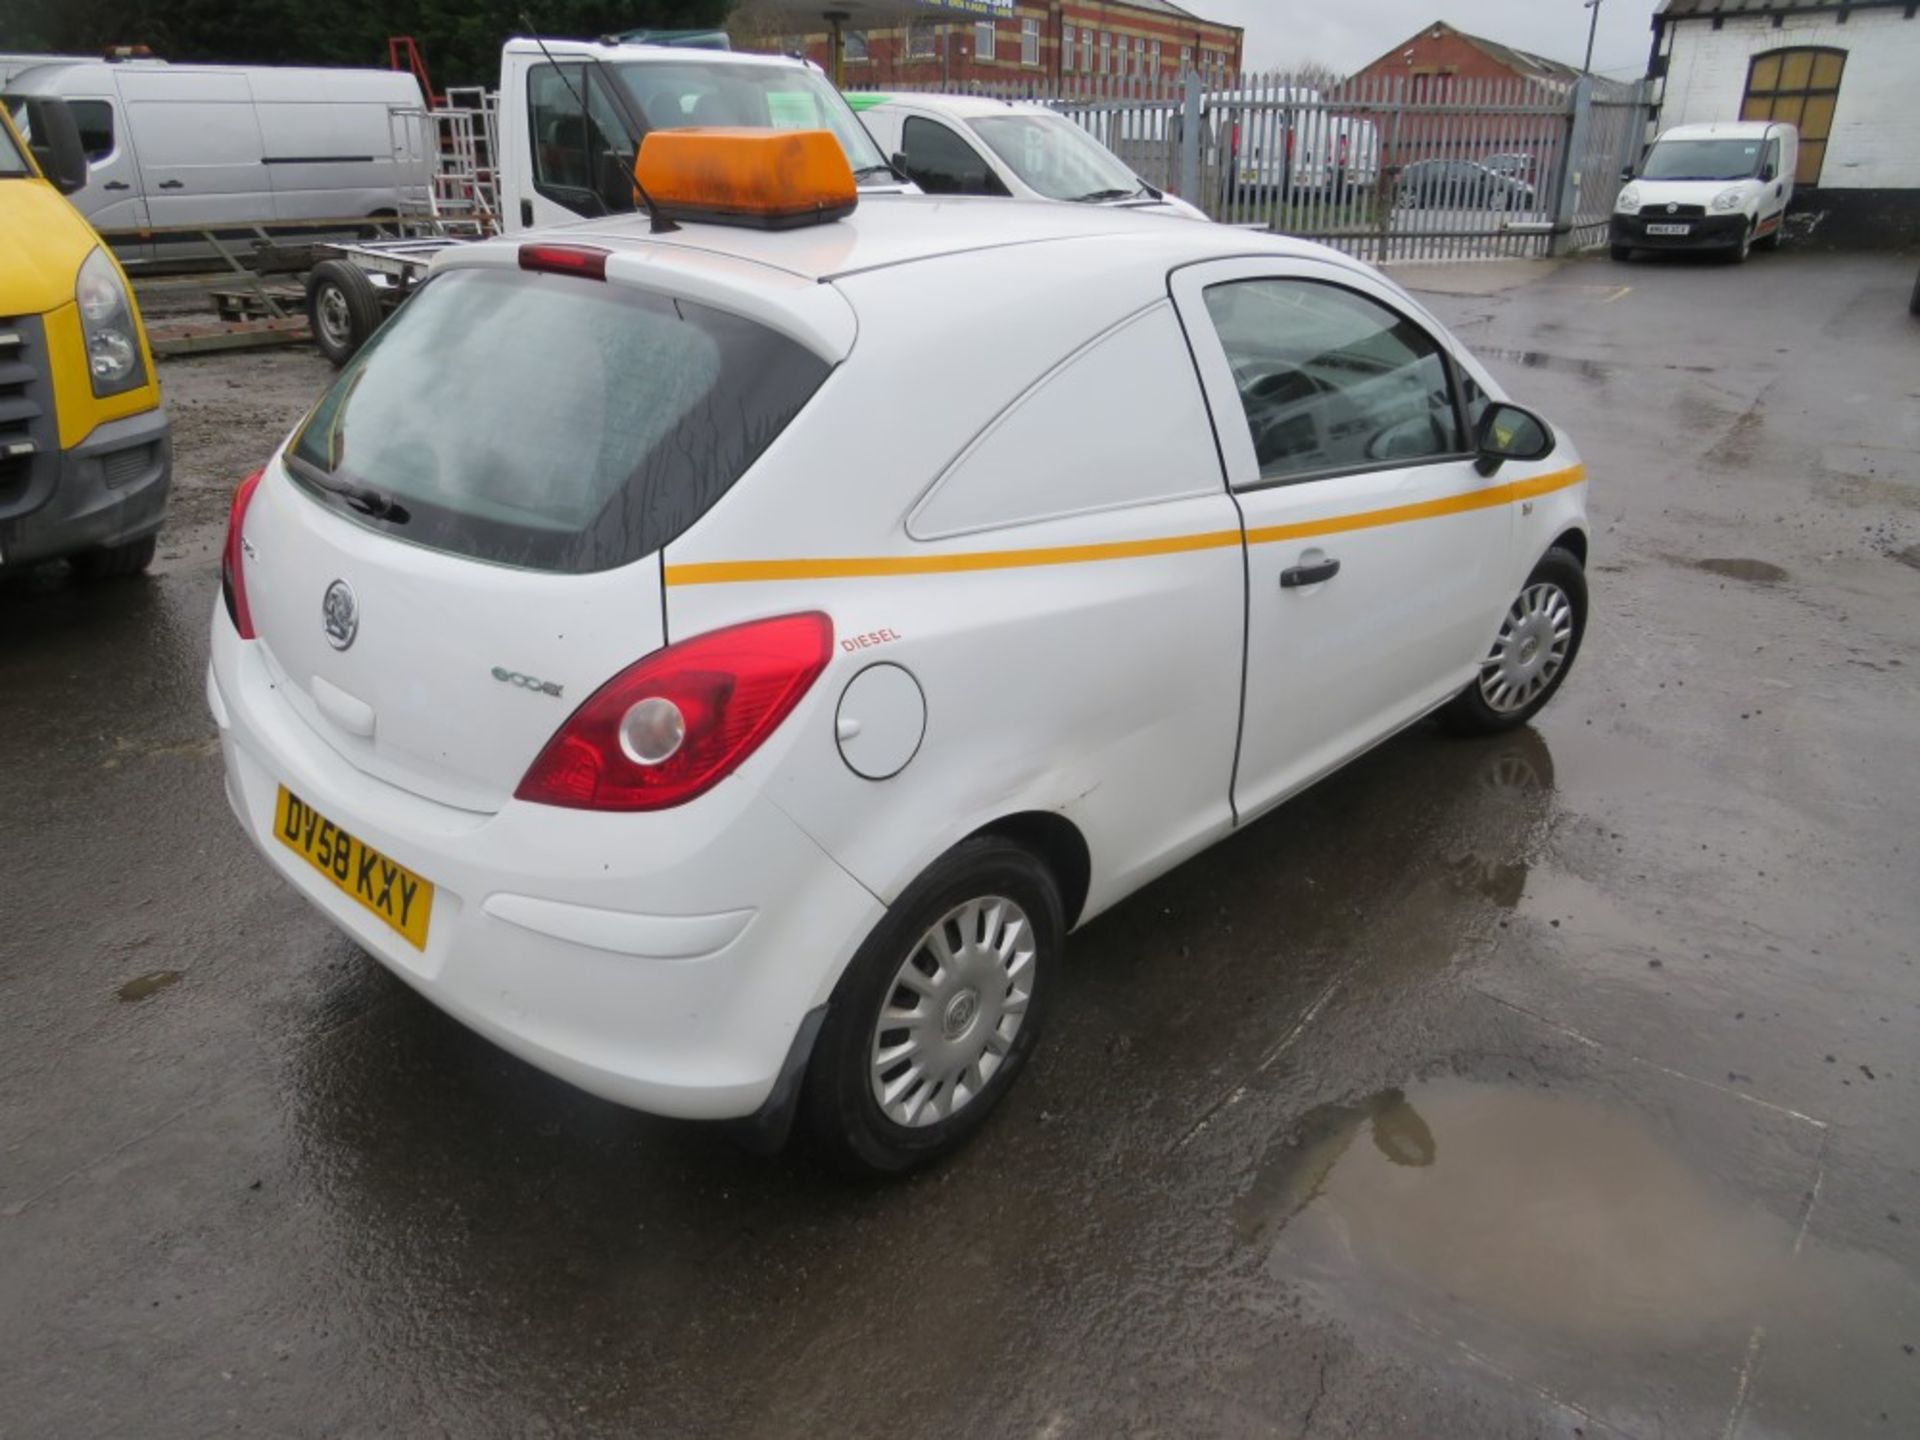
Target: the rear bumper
(667, 962)
(1713, 232)
(110, 489)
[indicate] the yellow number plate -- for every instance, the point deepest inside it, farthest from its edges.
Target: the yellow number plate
(393, 892)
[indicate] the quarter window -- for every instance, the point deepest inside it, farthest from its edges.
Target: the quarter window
(1330, 381)
(941, 163)
(1800, 87)
(95, 119)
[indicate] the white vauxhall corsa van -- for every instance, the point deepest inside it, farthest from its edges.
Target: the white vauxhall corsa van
(1709, 187)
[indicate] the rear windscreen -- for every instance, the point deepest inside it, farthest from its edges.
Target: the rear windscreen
(549, 422)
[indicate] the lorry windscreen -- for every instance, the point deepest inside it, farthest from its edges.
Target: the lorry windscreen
(672, 96)
(1702, 160)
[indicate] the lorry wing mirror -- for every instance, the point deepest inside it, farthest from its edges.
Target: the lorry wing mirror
(54, 137)
(1506, 432)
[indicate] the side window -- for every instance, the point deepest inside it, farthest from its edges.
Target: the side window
(95, 119)
(1040, 461)
(941, 163)
(1332, 381)
(582, 159)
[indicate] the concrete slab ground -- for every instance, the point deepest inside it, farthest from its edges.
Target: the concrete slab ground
(1566, 1084)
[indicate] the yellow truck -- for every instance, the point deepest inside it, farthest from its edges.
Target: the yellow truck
(85, 454)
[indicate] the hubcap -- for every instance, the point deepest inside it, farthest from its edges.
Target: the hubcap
(956, 1004)
(334, 319)
(1531, 650)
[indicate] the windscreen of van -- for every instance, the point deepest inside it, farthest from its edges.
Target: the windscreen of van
(548, 422)
(672, 96)
(1057, 158)
(1702, 160)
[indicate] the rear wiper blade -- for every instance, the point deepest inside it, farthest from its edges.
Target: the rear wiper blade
(366, 499)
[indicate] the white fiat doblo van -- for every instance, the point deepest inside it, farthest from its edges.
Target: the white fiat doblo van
(1709, 187)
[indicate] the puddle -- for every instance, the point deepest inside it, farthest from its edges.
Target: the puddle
(1754, 572)
(1531, 1208)
(1540, 360)
(152, 983)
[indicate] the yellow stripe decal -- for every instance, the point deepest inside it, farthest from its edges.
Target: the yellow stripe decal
(852, 567)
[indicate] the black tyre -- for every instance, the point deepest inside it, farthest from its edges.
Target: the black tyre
(114, 562)
(1622, 252)
(1738, 255)
(1913, 305)
(1538, 641)
(343, 309)
(936, 1016)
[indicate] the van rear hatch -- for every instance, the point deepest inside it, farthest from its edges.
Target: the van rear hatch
(461, 542)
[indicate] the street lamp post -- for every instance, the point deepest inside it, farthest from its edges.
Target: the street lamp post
(1593, 27)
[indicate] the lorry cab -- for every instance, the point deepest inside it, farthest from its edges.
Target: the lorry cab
(1709, 187)
(573, 114)
(85, 454)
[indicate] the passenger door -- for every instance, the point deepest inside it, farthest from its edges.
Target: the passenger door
(582, 156)
(1376, 552)
(200, 149)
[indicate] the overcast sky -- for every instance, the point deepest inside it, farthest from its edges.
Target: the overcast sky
(1346, 34)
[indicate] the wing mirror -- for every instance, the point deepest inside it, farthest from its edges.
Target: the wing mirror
(54, 137)
(1766, 173)
(1626, 174)
(1506, 433)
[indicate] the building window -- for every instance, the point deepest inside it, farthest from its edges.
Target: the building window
(923, 41)
(853, 46)
(1186, 58)
(1801, 88)
(1156, 57)
(1139, 54)
(1066, 47)
(1086, 50)
(983, 40)
(1029, 42)
(1106, 53)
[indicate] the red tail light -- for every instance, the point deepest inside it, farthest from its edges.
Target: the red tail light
(233, 577)
(680, 721)
(586, 261)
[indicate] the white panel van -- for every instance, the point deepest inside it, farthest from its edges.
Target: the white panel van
(215, 144)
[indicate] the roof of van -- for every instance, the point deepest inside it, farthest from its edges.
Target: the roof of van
(889, 230)
(1725, 130)
(631, 50)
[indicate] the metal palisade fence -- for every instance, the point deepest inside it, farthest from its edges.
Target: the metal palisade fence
(1386, 168)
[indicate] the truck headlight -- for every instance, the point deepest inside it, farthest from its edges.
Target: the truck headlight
(1728, 200)
(1629, 199)
(112, 337)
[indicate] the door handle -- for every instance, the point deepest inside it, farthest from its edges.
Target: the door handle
(172, 185)
(1296, 576)
(116, 185)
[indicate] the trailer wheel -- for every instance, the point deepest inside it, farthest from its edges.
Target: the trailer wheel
(342, 308)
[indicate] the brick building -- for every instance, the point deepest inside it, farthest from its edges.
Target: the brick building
(954, 42)
(1440, 66)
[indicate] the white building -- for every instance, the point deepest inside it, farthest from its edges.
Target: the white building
(1844, 71)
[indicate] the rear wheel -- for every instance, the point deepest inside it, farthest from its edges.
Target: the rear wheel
(938, 1011)
(115, 561)
(1772, 239)
(343, 309)
(1538, 640)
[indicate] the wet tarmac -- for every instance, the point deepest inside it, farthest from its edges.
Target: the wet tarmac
(1566, 1084)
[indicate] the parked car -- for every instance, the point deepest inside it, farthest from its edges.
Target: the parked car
(1515, 166)
(970, 145)
(86, 456)
(1460, 185)
(172, 145)
(567, 664)
(1286, 142)
(1709, 187)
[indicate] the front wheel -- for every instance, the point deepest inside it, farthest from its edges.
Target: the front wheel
(114, 562)
(1738, 255)
(938, 1011)
(1538, 640)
